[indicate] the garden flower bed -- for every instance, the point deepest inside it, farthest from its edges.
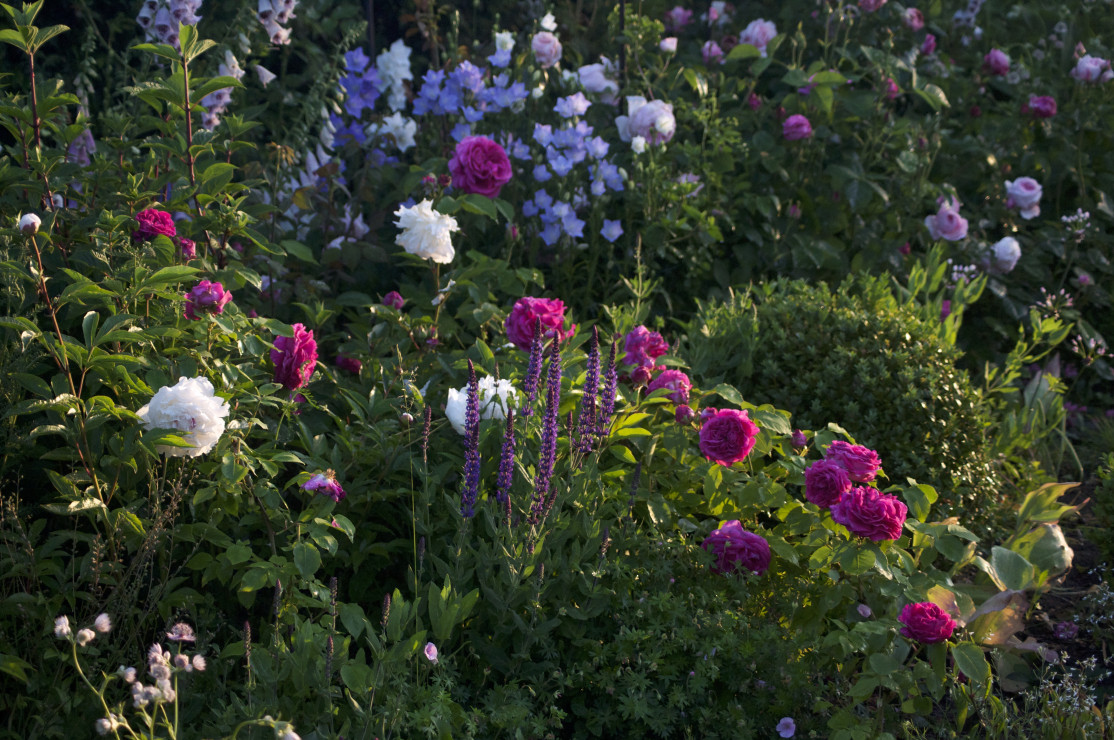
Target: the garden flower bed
(556, 370)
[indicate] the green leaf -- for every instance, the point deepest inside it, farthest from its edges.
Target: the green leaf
(307, 559)
(480, 204)
(162, 50)
(1014, 571)
(729, 393)
(740, 52)
(15, 667)
(299, 250)
(970, 659)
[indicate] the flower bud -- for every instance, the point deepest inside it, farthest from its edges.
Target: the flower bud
(29, 224)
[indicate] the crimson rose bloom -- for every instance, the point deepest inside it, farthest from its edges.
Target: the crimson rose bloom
(825, 482)
(726, 435)
(861, 463)
(206, 297)
(527, 311)
(867, 512)
(295, 358)
(643, 347)
(479, 165)
(733, 546)
(675, 381)
(926, 622)
(153, 222)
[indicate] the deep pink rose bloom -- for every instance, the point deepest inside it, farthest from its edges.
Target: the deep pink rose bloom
(480, 166)
(641, 376)
(326, 485)
(929, 45)
(684, 415)
(527, 311)
(996, 62)
(394, 300)
(1040, 106)
(712, 53)
(187, 248)
(643, 347)
(733, 547)
(913, 19)
(926, 622)
(351, 364)
(675, 381)
(947, 223)
(867, 512)
(153, 222)
(726, 435)
(796, 127)
(825, 482)
(861, 463)
(206, 297)
(295, 358)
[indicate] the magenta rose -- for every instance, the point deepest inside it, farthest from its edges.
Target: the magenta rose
(796, 127)
(480, 166)
(926, 622)
(867, 512)
(861, 463)
(871, 6)
(394, 300)
(947, 223)
(643, 347)
(295, 358)
(528, 311)
(206, 297)
(726, 435)
(733, 547)
(825, 482)
(1040, 106)
(675, 381)
(153, 222)
(996, 62)
(187, 247)
(929, 45)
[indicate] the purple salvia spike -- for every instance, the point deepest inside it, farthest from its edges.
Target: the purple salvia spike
(548, 455)
(533, 370)
(607, 397)
(471, 447)
(427, 419)
(588, 402)
(506, 466)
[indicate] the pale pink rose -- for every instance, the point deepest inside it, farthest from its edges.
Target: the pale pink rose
(547, 49)
(668, 45)
(947, 223)
(1090, 69)
(913, 19)
(758, 33)
(871, 6)
(1024, 194)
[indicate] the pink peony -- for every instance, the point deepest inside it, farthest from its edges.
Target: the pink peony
(643, 346)
(796, 127)
(1024, 193)
(726, 435)
(733, 547)
(480, 166)
(926, 622)
(153, 222)
(867, 512)
(861, 463)
(913, 19)
(675, 381)
(547, 49)
(295, 358)
(206, 297)
(947, 223)
(996, 62)
(1040, 106)
(758, 33)
(528, 311)
(825, 482)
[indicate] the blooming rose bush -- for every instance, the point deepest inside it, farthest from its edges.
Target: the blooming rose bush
(947, 223)
(526, 315)
(861, 463)
(926, 622)
(869, 513)
(1024, 194)
(676, 382)
(152, 223)
(825, 482)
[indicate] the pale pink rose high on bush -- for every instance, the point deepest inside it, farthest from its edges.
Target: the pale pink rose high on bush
(913, 19)
(527, 311)
(480, 166)
(152, 223)
(677, 18)
(547, 49)
(867, 512)
(1091, 69)
(734, 548)
(861, 463)
(926, 622)
(726, 435)
(675, 381)
(712, 53)
(651, 120)
(796, 127)
(946, 223)
(825, 482)
(295, 358)
(996, 62)
(1024, 194)
(759, 34)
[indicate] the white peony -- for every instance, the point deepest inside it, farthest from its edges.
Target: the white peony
(1004, 255)
(192, 408)
(495, 398)
(426, 233)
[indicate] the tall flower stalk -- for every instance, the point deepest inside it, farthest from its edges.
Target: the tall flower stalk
(533, 370)
(543, 486)
(607, 396)
(586, 423)
(471, 447)
(506, 467)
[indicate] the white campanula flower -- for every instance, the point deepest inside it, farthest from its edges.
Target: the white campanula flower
(638, 144)
(548, 22)
(30, 224)
(394, 70)
(496, 397)
(426, 233)
(401, 129)
(1004, 255)
(192, 408)
(504, 40)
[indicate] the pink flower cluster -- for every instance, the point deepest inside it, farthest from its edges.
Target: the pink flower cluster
(869, 513)
(152, 223)
(676, 382)
(643, 347)
(827, 480)
(946, 223)
(734, 547)
(527, 312)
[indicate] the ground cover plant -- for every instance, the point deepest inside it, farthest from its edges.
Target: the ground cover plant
(570, 370)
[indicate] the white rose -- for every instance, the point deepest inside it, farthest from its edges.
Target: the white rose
(193, 409)
(426, 233)
(594, 79)
(1004, 255)
(638, 144)
(548, 22)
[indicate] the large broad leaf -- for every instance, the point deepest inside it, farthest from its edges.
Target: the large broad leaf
(1045, 547)
(970, 659)
(998, 618)
(1013, 571)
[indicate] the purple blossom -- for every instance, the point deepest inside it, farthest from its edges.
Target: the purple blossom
(573, 105)
(325, 484)
(506, 466)
(607, 397)
(586, 424)
(543, 490)
(611, 230)
(533, 370)
(471, 447)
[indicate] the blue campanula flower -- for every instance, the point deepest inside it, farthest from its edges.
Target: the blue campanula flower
(611, 230)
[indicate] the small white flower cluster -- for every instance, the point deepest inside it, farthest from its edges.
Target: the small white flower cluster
(63, 631)
(426, 233)
(496, 397)
(159, 19)
(401, 130)
(394, 70)
(192, 407)
(274, 14)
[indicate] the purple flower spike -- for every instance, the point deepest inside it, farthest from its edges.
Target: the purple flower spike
(506, 466)
(589, 402)
(543, 495)
(471, 447)
(607, 397)
(533, 370)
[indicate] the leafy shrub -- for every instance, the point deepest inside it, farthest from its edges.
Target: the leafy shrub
(856, 358)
